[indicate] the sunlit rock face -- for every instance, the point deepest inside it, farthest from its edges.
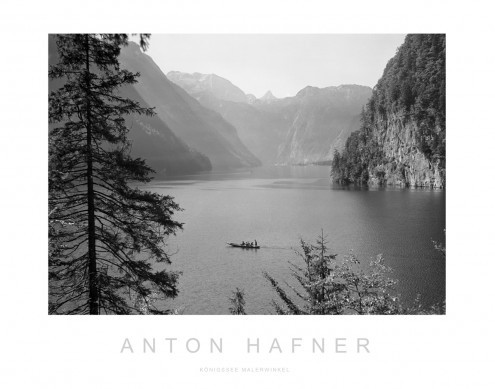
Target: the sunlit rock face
(405, 164)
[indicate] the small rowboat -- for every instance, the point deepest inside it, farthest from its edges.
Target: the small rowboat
(243, 247)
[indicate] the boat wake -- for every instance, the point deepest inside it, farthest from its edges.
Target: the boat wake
(277, 247)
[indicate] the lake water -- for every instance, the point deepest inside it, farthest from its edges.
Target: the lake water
(279, 205)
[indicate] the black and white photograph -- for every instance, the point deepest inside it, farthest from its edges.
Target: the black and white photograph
(317, 187)
(247, 194)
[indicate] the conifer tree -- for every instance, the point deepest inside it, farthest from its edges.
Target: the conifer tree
(107, 251)
(327, 286)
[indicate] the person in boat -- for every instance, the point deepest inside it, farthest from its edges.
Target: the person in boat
(243, 244)
(255, 243)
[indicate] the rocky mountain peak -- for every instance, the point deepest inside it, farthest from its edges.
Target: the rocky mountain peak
(268, 96)
(198, 83)
(307, 91)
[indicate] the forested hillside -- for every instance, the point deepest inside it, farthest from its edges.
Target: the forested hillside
(402, 135)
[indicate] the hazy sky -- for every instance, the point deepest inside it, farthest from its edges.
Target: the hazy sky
(281, 63)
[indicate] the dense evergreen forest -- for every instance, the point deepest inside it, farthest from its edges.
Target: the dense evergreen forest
(402, 135)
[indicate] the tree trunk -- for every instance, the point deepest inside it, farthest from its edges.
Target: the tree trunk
(93, 283)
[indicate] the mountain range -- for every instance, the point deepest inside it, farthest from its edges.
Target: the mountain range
(183, 137)
(200, 128)
(391, 134)
(204, 121)
(305, 128)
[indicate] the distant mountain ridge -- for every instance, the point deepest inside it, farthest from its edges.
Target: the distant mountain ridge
(199, 127)
(218, 86)
(305, 128)
(268, 96)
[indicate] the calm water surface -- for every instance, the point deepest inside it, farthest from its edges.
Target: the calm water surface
(277, 206)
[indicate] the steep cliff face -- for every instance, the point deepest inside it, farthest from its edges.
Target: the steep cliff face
(402, 136)
(322, 120)
(404, 164)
